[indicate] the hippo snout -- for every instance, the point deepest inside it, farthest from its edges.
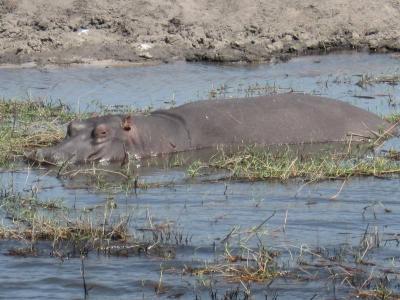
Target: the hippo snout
(37, 155)
(47, 156)
(32, 155)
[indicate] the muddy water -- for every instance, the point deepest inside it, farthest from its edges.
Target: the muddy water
(329, 215)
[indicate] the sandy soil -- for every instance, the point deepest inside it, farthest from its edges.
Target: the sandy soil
(66, 31)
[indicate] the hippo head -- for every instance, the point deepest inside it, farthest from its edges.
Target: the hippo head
(99, 139)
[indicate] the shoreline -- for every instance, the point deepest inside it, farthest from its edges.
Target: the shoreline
(108, 63)
(112, 63)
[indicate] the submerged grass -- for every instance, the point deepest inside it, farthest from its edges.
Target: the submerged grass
(72, 232)
(348, 267)
(33, 219)
(256, 265)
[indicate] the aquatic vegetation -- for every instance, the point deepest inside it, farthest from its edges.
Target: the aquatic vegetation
(50, 220)
(380, 291)
(252, 90)
(71, 232)
(30, 124)
(350, 268)
(393, 118)
(257, 164)
(367, 79)
(254, 265)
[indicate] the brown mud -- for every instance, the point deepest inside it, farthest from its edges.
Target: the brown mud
(143, 31)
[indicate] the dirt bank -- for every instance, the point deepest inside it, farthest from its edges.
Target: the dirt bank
(65, 31)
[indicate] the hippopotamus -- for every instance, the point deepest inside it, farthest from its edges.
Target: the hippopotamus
(267, 120)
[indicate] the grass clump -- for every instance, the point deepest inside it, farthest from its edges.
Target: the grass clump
(380, 292)
(366, 80)
(254, 265)
(393, 118)
(258, 164)
(33, 219)
(30, 124)
(246, 257)
(69, 232)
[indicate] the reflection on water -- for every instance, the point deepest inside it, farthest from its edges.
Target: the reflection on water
(324, 215)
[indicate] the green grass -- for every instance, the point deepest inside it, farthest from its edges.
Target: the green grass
(256, 164)
(393, 118)
(30, 124)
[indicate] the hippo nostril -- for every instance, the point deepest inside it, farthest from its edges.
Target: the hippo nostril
(36, 155)
(30, 154)
(39, 155)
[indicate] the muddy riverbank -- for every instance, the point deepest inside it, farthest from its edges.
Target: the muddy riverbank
(63, 32)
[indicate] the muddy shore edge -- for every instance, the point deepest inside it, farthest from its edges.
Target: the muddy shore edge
(139, 31)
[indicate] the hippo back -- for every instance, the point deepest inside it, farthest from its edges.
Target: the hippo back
(278, 119)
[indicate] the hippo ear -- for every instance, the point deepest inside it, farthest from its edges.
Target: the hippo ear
(127, 123)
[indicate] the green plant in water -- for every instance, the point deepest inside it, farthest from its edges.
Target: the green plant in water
(393, 118)
(195, 167)
(34, 219)
(260, 164)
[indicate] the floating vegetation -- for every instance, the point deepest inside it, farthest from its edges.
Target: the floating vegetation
(124, 109)
(48, 220)
(350, 264)
(72, 232)
(349, 267)
(252, 90)
(366, 80)
(380, 291)
(393, 118)
(257, 265)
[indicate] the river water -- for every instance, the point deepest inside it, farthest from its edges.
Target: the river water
(329, 215)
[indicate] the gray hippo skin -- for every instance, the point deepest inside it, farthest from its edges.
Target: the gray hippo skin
(269, 120)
